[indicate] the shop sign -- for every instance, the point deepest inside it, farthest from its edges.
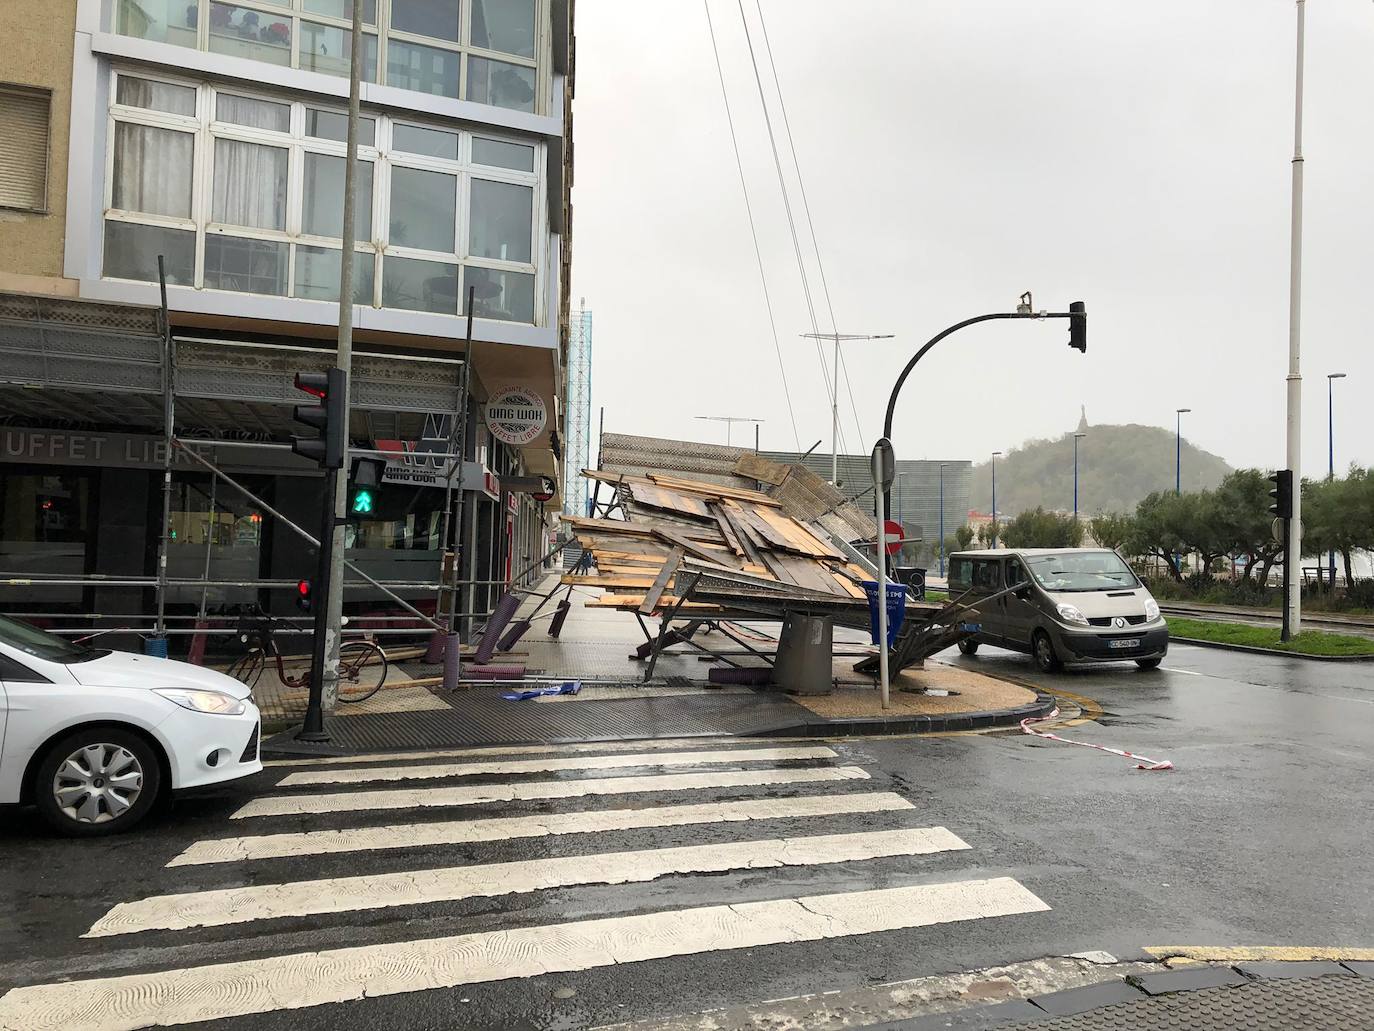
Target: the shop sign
(122, 450)
(516, 415)
(541, 488)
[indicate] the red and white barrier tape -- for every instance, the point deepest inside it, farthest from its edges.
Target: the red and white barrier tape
(1142, 762)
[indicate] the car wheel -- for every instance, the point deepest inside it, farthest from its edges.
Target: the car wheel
(97, 781)
(968, 646)
(1042, 648)
(1148, 663)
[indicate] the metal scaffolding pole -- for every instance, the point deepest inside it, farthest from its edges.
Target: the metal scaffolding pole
(465, 380)
(168, 430)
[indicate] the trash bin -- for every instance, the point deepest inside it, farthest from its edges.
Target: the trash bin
(914, 577)
(806, 654)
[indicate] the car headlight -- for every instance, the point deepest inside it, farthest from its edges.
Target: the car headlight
(1070, 614)
(1151, 609)
(204, 701)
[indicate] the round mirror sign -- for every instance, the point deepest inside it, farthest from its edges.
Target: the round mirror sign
(516, 415)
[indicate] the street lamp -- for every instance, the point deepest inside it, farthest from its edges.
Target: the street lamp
(1076, 438)
(942, 518)
(1179, 413)
(835, 392)
(994, 499)
(1331, 450)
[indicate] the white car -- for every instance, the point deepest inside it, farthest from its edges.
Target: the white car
(94, 737)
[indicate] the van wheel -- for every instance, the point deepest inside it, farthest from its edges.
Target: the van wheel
(101, 780)
(1042, 648)
(968, 646)
(1148, 663)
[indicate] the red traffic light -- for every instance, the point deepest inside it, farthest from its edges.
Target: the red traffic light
(314, 383)
(303, 590)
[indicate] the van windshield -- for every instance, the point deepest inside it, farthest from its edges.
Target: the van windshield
(1081, 571)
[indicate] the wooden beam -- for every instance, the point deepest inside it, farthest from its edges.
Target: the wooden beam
(660, 582)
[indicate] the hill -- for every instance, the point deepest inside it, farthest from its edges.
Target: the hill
(1117, 466)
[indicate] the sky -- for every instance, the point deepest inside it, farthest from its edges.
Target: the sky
(1133, 155)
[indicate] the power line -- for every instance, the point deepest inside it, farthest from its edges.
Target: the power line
(753, 229)
(786, 199)
(806, 208)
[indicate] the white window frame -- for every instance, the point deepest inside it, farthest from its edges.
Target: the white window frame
(206, 129)
(294, 12)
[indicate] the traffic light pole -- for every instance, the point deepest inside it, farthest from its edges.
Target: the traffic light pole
(312, 729)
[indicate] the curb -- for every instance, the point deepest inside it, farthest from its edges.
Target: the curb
(865, 726)
(1270, 651)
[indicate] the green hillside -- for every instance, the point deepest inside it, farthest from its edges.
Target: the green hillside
(1117, 466)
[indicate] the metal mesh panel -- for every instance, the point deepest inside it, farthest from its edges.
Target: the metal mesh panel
(92, 315)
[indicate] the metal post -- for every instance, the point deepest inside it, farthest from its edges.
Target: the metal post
(881, 563)
(1076, 438)
(942, 518)
(1179, 413)
(994, 498)
(1293, 592)
(209, 542)
(462, 453)
(312, 727)
(168, 431)
(333, 542)
(835, 427)
(1331, 453)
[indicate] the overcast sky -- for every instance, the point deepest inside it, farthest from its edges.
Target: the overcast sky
(1135, 155)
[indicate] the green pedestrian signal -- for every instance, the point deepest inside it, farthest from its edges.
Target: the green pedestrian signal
(362, 502)
(364, 486)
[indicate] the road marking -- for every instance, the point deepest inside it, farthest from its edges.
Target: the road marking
(555, 764)
(224, 990)
(489, 752)
(411, 835)
(1188, 672)
(454, 883)
(417, 798)
(1261, 953)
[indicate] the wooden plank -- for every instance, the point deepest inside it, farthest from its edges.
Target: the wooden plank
(611, 526)
(609, 581)
(799, 536)
(690, 547)
(756, 467)
(660, 582)
(768, 535)
(726, 530)
(714, 490)
(656, 496)
(747, 536)
(810, 574)
(631, 602)
(849, 586)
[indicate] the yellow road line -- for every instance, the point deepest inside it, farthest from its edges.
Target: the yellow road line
(1260, 953)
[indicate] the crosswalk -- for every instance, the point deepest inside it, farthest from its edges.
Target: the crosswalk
(612, 815)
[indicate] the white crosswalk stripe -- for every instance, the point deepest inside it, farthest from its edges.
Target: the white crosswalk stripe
(553, 765)
(817, 786)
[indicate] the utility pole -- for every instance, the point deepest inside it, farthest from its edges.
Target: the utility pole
(942, 517)
(1293, 594)
(1331, 378)
(334, 598)
(730, 421)
(994, 498)
(1179, 413)
(835, 391)
(1076, 438)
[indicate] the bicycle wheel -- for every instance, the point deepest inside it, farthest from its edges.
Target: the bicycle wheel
(362, 670)
(248, 668)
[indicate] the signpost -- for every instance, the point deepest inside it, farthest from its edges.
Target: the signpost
(884, 472)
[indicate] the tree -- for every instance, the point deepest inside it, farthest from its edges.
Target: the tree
(1040, 529)
(989, 532)
(1197, 521)
(1339, 516)
(1112, 529)
(1242, 508)
(963, 537)
(1155, 530)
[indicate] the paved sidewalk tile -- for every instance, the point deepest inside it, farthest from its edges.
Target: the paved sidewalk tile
(1299, 968)
(1089, 997)
(1189, 980)
(1364, 968)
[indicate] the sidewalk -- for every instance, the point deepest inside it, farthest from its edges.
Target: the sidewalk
(594, 649)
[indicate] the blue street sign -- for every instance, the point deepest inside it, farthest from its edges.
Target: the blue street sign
(896, 609)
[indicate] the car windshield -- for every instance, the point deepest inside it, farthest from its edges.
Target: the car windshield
(43, 645)
(1081, 571)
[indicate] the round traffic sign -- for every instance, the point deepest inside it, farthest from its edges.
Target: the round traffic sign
(892, 536)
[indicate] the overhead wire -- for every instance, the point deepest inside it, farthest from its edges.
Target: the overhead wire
(753, 229)
(787, 208)
(806, 208)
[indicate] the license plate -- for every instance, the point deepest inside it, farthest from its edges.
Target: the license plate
(1124, 642)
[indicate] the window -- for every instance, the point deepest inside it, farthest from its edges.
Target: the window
(24, 117)
(243, 192)
(987, 574)
(960, 575)
(17, 673)
(420, 45)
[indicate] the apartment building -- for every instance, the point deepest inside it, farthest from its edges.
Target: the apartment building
(211, 135)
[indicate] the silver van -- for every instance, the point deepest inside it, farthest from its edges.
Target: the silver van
(1078, 605)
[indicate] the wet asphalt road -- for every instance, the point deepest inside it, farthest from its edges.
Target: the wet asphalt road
(1261, 836)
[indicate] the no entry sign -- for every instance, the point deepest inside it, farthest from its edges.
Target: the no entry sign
(892, 536)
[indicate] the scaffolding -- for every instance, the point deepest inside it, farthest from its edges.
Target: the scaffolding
(578, 410)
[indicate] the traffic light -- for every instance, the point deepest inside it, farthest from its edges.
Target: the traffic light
(1282, 494)
(326, 450)
(364, 486)
(1078, 326)
(303, 590)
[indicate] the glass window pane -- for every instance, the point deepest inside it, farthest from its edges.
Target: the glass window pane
(424, 209)
(435, 18)
(426, 69)
(323, 198)
(131, 252)
(250, 185)
(502, 216)
(166, 21)
(329, 50)
(504, 25)
(500, 84)
(500, 154)
(419, 285)
(508, 296)
(256, 114)
(332, 125)
(342, 9)
(415, 140)
(241, 32)
(155, 96)
(317, 274)
(247, 266)
(152, 170)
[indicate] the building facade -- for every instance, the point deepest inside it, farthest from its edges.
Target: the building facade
(210, 135)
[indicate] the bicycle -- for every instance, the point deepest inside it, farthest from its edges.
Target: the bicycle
(362, 663)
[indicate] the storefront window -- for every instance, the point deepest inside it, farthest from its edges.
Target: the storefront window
(45, 528)
(215, 534)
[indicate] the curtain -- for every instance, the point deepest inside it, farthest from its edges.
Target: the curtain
(250, 185)
(152, 170)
